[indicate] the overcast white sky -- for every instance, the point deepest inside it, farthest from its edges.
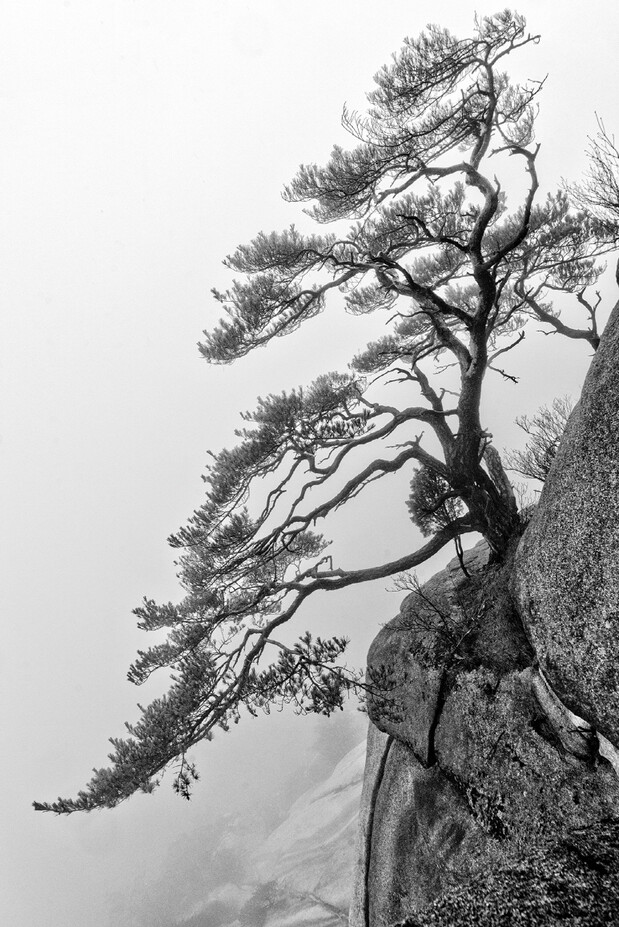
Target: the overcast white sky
(141, 141)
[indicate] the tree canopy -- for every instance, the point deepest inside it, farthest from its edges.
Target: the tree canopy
(426, 235)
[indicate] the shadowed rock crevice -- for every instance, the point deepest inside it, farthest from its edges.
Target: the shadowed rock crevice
(440, 703)
(370, 828)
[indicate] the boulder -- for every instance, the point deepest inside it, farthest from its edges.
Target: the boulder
(566, 577)
(405, 689)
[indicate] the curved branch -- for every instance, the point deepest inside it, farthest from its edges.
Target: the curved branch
(522, 232)
(543, 315)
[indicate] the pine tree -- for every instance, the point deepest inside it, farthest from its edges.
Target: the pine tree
(433, 244)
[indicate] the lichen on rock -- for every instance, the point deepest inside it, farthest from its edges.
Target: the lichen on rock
(571, 881)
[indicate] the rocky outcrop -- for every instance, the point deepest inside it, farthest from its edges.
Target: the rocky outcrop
(566, 578)
(494, 783)
(488, 767)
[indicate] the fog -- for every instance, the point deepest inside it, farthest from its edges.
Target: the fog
(142, 141)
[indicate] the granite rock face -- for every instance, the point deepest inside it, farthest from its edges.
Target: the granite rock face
(566, 578)
(422, 839)
(377, 753)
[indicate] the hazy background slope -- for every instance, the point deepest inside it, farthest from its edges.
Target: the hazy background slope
(286, 852)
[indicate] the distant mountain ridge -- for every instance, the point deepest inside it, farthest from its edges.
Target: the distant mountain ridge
(311, 855)
(302, 873)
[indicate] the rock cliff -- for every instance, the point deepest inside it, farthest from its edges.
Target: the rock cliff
(492, 777)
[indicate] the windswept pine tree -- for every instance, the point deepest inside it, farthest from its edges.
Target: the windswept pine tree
(427, 237)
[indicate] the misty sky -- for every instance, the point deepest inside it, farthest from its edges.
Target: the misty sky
(141, 142)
